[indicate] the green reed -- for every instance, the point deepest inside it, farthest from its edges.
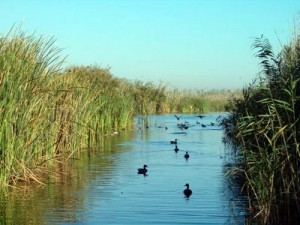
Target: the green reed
(47, 113)
(25, 64)
(264, 125)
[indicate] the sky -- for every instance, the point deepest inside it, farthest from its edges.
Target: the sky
(185, 44)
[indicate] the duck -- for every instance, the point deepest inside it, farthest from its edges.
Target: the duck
(183, 126)
(176, 149)
(186, 155)
(142, 170)
(203, 125)
(174, 142)
(187, 192)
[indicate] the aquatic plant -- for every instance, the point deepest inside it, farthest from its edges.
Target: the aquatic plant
(25, 104)
(264, 126)
(199, 101)
(47, 113)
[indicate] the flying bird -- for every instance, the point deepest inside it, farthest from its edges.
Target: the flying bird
(177, 117)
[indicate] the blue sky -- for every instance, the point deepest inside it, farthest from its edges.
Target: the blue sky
(188, 44)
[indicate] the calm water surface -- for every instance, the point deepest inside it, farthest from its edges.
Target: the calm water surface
(103, 187)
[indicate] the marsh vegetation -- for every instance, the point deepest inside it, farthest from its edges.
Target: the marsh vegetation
(264, 127)
(50, 113)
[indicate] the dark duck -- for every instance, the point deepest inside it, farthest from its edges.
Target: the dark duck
(187, 192)
(176, 149)
(186, 155)
(174, 142)
(142, 170)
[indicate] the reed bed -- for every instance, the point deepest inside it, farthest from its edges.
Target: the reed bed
(199, 101)
(49, 114)
(25, 64)
(264, 126)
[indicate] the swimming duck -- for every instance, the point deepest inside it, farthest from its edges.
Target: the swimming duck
(200, 116)
(183, 126)
(186, 155)
(143, 170)
(187, 192)
(174, 142)
(176, 149)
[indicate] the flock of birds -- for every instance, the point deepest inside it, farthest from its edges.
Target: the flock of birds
(187, 191)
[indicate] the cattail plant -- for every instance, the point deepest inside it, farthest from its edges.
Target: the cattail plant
(25, 65)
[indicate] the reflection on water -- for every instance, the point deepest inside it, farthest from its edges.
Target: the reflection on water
(103, 186)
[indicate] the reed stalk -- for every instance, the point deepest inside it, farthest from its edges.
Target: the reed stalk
(264, 126)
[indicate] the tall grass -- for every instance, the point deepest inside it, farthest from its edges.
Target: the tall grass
(199, 101)
(47, 113)
(25, 64)
(264, 125)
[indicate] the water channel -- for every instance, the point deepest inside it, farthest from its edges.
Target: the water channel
(103, 187)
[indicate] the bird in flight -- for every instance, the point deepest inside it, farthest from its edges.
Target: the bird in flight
(177, 117)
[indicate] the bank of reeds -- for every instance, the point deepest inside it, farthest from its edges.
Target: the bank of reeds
(264, 126)
(199, 101)
(48, 114)
(25, 64)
